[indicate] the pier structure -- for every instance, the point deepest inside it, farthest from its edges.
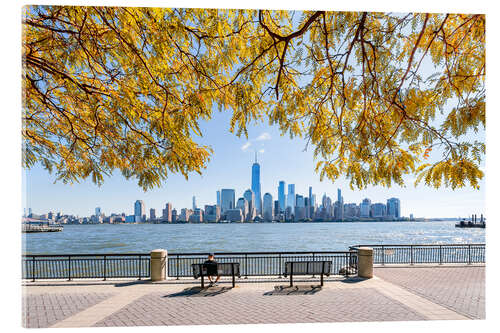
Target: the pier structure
(472, 223)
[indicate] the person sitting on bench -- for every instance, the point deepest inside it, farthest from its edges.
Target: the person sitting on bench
(212, 271)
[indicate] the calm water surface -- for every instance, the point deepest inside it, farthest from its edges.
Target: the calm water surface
(122, 238)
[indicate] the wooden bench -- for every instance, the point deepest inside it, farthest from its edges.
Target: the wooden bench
(307, 268)
(223, 269)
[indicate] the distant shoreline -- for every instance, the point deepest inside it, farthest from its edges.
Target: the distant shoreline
(267, 222)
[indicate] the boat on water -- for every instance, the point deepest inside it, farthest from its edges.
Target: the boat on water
(33, 225)
(472, 223)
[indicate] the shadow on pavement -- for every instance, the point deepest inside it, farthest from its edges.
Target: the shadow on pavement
(200, 292)
(353, 280)
(295, 290)
(132, 283)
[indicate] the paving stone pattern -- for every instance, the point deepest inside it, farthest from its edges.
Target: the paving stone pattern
(44, 310)
(461, 289)
(255, 307)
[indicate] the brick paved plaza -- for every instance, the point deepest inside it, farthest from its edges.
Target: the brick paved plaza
(457, 288)
(394, 294)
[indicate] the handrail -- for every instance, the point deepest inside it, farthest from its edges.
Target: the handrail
(386, 245)
(181, 254)
(85, 255)
(248, 253)
(253, 253)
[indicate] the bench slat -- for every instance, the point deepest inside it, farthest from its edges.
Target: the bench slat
(308, 267)
(223, 269)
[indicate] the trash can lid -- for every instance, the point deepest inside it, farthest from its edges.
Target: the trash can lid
(365, 251)
(158, 253)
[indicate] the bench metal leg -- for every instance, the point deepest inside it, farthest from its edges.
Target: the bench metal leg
(291, 280)
(202, 282)
(322, 271)
(232, 273)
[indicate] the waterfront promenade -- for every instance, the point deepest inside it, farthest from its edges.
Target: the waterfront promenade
(396, 293)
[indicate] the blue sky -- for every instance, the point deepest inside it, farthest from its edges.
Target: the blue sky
(280, 157)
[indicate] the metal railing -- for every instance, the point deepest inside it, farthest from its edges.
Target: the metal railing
(137, 265)
(70, 266)
(263, 263)
(427, 254)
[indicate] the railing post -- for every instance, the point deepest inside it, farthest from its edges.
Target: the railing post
(69, 268)
(322, 272)
(346, 266)
(383, 256)
(411, 254)
(177, 268)
(470, 259)
(105, 267)
(349, 263)
(140, 267)
(33, 269)
(313, 260)
(232, 274)
(279, 269)
(246, 265)
(440, 254)
(201, 275)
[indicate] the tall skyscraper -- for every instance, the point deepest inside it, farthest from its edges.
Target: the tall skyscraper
(152, 214)
(250, 198)
(268, 213)
(227, 199)
(185, 214)
(98, 211)
(340, 205)
(139, 210)
(194, 203)
(291, 197)
(364, 208)
(281, 197)
(197, 216)
(309, 212)
(167, 213)
(212, 213)
(378, 210)
(394, 207)
(242, 204)
(328, 208)
(351, 210)
(299, 201)
(218, 198)
(256, 185)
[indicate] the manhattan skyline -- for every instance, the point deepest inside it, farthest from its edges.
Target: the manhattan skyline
(280, 158)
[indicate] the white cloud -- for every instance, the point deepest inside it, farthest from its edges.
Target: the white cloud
(261, 151)
(246, 146)
(264, 136)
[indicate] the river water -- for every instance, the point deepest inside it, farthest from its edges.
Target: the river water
(245, 237)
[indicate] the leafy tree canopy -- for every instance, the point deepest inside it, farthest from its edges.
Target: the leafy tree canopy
(373, 93)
